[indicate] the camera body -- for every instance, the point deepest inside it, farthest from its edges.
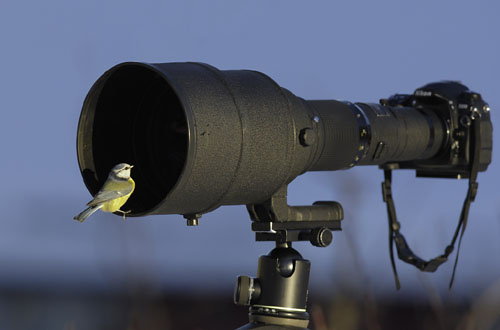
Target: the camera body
(457, 107)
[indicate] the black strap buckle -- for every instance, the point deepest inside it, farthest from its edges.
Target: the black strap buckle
(473, 190)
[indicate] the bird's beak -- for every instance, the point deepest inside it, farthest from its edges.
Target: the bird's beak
(131, 166)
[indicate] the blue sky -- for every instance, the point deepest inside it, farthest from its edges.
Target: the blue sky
(52, 52)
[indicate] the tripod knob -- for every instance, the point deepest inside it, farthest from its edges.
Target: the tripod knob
(321, 237)
(246, 290)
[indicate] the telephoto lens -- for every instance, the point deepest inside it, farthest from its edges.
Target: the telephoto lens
(199, 137)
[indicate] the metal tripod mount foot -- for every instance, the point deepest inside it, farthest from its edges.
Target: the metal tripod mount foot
(277, 297)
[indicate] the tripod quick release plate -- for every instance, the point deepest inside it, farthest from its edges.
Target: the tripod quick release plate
(275, 220)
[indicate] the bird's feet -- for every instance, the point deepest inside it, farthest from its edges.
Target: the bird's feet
(124, 213)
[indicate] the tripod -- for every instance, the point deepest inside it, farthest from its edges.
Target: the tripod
(277, 297)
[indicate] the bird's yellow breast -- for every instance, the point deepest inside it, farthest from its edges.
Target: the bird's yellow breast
(115, 204)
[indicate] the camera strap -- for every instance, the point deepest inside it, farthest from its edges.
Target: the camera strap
(397, 239)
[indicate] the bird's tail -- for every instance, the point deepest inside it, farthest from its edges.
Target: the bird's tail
(87, 213)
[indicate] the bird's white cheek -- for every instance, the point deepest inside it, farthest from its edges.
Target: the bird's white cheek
(125, 174)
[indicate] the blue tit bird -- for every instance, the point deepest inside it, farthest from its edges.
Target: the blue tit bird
(113, 194)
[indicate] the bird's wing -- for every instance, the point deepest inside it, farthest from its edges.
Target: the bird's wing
(111, 190)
